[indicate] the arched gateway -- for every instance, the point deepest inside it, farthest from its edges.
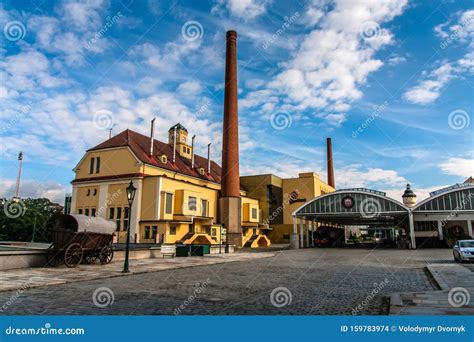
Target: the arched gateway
(448, 214)
(355, 207)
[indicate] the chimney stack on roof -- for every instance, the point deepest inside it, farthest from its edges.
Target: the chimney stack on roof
(208, 158)
(330, 166)
(152, 131)
(192, 151)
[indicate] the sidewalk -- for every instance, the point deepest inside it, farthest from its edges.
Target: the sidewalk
(455, 297)
(12, 280)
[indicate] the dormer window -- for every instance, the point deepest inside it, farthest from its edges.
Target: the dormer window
(201, 171)
(164, 159)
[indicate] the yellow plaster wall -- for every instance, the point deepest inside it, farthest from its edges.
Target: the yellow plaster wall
(113, 162)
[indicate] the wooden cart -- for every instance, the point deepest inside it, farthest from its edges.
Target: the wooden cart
(72, 243)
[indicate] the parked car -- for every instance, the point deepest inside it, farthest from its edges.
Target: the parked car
(463, 250)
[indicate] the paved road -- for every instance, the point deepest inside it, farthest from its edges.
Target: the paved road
(311, 281)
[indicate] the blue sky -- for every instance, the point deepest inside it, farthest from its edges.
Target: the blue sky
(390, 81)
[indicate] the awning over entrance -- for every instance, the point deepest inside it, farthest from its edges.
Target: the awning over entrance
(353, 207)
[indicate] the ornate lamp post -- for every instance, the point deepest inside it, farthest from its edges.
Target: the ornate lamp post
(130, 196)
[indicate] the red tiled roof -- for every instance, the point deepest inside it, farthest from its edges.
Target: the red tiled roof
(140, 145)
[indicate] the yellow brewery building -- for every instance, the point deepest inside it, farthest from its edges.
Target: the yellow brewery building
(178, 192)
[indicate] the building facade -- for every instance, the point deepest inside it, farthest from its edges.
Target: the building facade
(279, 197)
(177, 191)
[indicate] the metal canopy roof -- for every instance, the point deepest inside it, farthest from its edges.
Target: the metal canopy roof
(354, 206)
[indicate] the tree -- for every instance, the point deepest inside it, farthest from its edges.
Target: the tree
(19, 219)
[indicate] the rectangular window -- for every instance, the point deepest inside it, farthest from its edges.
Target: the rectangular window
(79, 211)
(213, 232)
(86, 212)
(172, 230)
(97, 165)
(169, 203)
(147, 232)
(154, 232)
(93, 212)
(125, 212)
(254, 213)
(118, 225)
(426, 226)
(204, 208)
(119, 213)
(192, 203)
(111, 213)
(91, 166)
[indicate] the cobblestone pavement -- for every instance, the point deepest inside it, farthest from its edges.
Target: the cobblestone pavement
(293, 282)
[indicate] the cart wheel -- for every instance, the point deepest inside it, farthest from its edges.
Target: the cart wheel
(106, 255)
(90, 258)
(73, 255)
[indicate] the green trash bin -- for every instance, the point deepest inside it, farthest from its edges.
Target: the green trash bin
(197, 250)
(207, 249)
(182, 251)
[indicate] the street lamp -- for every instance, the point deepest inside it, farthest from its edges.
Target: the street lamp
(130, 196)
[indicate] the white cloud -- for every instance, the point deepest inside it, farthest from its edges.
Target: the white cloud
(51, 190)
(335, 59)
(429, 89)
(190, 88)
(462, 167)
(431, 86)
(394, 60)
(244, 9)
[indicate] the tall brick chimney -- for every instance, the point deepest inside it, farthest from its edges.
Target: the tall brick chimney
(330, 163)
(230, 201)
